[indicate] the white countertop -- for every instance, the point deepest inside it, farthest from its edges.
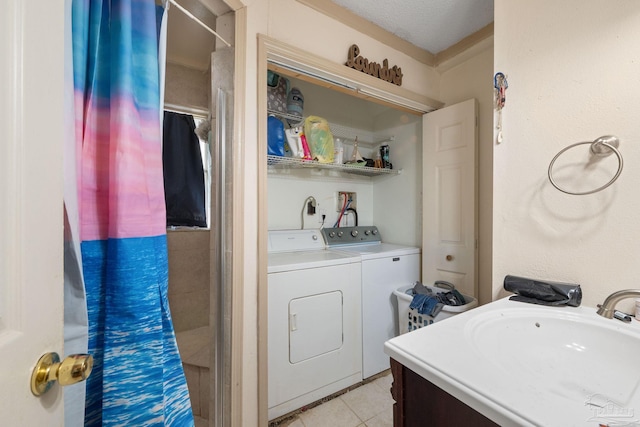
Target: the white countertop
(512, 393)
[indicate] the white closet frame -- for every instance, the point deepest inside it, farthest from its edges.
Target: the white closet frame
(281, 57)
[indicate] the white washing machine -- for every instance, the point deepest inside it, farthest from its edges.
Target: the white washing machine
(315, 329)
(385, 268)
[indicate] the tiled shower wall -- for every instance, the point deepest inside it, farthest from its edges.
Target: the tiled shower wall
(189, 262)
(187, 87)
(189, 301)
(188, 278)
(188, 248)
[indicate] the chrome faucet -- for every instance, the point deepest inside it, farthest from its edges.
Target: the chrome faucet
(608, 306)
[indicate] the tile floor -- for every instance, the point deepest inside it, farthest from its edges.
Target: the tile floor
(369, 405)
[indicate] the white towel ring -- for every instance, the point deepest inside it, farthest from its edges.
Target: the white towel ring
(603, 146)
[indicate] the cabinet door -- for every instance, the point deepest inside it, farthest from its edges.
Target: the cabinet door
(449, 218)
(418, 400)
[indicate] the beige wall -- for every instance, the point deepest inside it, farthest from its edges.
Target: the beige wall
(573, 76)
(187, 87)
(296, 24)
(471, 76)
(188, 278)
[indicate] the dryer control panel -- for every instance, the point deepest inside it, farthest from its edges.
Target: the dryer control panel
(351, 235)
(294, 241)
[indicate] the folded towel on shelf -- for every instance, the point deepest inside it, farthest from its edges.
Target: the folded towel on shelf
(543, 292)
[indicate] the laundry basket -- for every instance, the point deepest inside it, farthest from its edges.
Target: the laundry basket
(410, 320)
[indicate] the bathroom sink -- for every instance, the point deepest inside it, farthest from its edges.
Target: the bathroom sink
(528, 365)
(571, 353)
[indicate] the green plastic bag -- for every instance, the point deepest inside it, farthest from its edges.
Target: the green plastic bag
(319, 138)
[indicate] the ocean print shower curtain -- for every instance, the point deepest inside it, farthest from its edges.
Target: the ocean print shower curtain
(138, 378)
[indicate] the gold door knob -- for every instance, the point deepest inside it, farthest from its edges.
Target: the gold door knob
(49, 369)
(449, 257)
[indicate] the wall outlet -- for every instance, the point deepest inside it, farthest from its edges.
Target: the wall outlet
(311, 208)
(350, 195)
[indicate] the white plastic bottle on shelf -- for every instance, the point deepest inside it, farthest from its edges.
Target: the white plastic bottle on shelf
(338, 151)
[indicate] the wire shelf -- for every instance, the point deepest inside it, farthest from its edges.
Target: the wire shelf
(277, 162)
(347, 133)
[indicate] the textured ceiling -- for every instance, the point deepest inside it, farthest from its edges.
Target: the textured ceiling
(433, 25)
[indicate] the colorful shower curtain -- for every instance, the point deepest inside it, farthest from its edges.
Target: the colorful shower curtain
(138, 378)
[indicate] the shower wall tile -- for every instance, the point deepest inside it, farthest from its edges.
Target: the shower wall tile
(189, 310)
(194, 346)
(192, 374)
(186, 86)
(188, 271)
(204, 392)
(185, 239)
(189, 259)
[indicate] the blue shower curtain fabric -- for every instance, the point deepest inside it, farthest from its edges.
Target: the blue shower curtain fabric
(138, 378)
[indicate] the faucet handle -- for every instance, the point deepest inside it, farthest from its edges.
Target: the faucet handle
(608, 310)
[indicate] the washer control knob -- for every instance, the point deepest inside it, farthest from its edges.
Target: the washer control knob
(367, 232)
(340, 233)
(332, 234)
(315, 237)
(374, 231)
(354, 233)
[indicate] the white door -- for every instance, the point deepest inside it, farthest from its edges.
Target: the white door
(449, 218)
(31, 188)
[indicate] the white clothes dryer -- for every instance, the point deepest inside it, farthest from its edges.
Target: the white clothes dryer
(314, 315)
(385, 268)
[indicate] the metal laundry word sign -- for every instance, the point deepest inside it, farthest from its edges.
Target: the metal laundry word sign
(383, 72)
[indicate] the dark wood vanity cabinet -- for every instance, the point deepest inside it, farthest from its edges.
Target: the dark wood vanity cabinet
(419, 403)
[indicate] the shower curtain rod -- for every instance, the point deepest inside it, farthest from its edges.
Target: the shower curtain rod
(202, 24)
